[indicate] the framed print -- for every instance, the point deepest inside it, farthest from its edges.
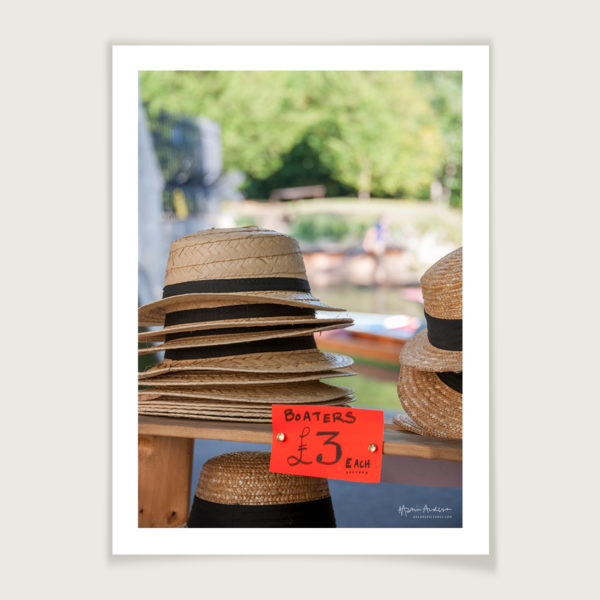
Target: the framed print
(297, 232)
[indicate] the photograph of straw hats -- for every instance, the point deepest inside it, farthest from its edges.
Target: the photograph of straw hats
(430, 381)
(237, 323)
(238, 490)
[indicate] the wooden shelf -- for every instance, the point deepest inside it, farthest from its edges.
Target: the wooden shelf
(395, 442)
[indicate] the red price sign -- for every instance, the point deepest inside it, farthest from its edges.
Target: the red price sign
(327, 441)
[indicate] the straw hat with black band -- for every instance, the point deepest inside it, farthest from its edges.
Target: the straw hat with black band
(221, 337)
(236, 309)
(283, 355)
(238, 490)
(219, 267)
(225, 317)
(439, 347)
(432, 402)
(430, 381)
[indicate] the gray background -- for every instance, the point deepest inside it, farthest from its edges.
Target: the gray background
(56, 287)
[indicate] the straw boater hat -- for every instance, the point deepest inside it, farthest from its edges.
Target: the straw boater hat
(233, 317)
(185, 379)
(232, 267)
(238, 490)
(168, 406)
(279, 393)
(439, 347)
(194, 339)
(238, 324)
(432, 401)
(283, 356)
(238, 402)
(430, 382)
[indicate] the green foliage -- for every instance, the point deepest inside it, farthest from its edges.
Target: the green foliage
(302, 165)
(323, 226)
(444, 89)
(371, 393)
(245, 221)
(386, 133)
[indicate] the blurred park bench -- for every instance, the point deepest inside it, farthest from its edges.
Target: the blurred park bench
(298, 193)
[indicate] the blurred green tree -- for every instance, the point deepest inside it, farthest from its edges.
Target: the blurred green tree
(372, 133)
(444, 90)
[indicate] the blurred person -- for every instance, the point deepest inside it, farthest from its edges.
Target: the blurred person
(375, 243)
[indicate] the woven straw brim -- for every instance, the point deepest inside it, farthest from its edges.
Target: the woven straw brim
(244, 478)
(170, 403)
(298, 361)
(205, 417)
(431, 404)
(200, 409)
(198, 378)
(284, 393)
(234, 338)
(318, 321)
(154, 313)
(407, 424)
(420, 354)
(175, 403)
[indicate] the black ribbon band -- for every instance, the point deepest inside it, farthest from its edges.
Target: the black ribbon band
(227, 330)
(445, 334)
(305, 342)
(316, 513)
(227, 286)
(452, 380)
(243, 311)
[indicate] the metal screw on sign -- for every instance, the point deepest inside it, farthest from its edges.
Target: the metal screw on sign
(372, 447)
(281, 437)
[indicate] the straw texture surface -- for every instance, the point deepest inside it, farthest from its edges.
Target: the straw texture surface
(244, 478)
(441, 285)
(243, 289)
(407, 424)
(298, 361)
(205, 417)
(434, 407)
(239, 253)
(234, 338)
(211, 378)
(317, 321)
(420, 354)
(291, 393)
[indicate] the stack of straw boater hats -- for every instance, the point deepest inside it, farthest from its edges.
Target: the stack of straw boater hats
(237, 322)
(238, 490)
(430, 383)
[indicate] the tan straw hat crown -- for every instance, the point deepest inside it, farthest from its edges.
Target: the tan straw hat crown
(244, 478)
(439, 347)
(239, 490)
(430, 381)
(237, 265)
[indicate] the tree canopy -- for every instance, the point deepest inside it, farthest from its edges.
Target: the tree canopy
(382, 133)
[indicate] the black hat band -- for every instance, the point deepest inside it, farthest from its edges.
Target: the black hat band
(233, 330)
(452, 380)
(445, 334)
(228, 286)
(305, 342)
(242, 311)
(314, 513)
